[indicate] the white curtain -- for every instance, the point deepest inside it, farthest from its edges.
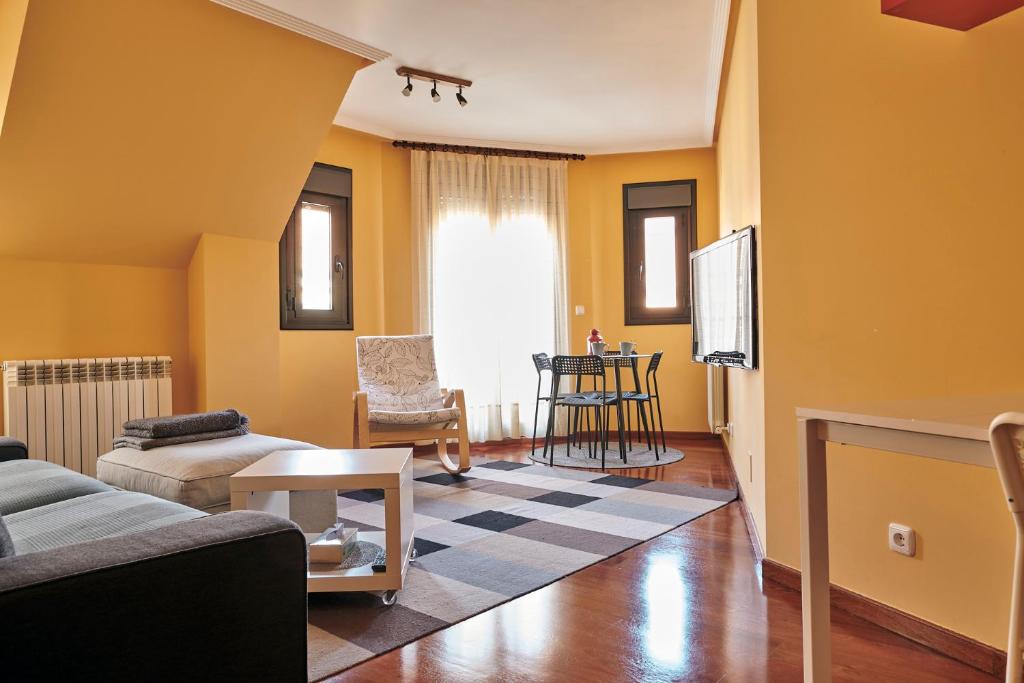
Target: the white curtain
(490, 243)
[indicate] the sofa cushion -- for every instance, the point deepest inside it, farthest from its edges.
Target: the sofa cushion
(12, 449)
(6, 542)
(27, 484)
(193, 474)
(87, 518)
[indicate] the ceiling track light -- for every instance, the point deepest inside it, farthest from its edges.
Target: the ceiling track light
(433, 78)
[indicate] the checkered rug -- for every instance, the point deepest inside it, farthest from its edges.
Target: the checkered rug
(502, 530)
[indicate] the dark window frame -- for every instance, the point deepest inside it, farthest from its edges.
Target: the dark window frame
(340, 317)
(635, 312)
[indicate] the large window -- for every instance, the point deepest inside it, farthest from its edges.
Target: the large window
(316, 254)
(659, 232)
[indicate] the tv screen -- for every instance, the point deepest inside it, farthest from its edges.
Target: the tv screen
(723, 288)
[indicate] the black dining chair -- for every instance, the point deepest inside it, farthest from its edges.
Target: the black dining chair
(542, 364)
(640, 401)
(649, 399)
(598, 401)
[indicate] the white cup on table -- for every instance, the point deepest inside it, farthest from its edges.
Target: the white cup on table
(627, 348)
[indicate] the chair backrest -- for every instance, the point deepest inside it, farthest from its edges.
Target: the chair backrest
(578, 365)
(655, 361)
(541, 362)
(398, 373)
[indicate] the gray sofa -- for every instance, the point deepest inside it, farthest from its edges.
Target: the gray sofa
(115, 586)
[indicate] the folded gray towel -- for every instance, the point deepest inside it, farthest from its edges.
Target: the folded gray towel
(180, 425)
(144, 444)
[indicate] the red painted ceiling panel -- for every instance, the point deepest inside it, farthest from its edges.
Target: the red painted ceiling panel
(959, 14)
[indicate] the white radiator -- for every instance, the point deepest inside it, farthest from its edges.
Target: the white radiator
(716, 399)
(69, 411)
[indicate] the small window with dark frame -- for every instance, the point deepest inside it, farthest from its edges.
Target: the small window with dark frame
(316, 254)
(659, 231)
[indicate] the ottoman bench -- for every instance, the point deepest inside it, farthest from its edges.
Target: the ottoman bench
(193, 474)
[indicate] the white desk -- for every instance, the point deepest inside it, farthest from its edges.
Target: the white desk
(954, 429)
(264, 485)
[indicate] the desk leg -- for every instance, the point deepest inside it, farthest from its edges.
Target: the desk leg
(239, 500)
(814, 553)
(398, 532)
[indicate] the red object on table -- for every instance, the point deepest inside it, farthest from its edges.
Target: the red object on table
(958, 14)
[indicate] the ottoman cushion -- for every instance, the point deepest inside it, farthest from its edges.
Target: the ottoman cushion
(27, 484)
(193, 474)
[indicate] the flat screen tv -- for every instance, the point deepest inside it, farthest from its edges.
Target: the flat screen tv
(723, 289)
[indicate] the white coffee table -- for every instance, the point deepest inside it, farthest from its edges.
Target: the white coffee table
(265, 484)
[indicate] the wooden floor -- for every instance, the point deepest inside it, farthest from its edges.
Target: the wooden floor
(688, 605)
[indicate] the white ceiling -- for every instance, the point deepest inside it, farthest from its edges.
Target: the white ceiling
(589, 76)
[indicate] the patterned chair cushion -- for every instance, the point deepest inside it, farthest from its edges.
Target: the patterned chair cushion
(414, 417)
(87, 518)
(399, 376)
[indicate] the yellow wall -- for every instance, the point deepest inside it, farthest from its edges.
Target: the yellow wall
(196, 279)
(234, 321)
(58, 310)
(318, 372)
(890, 179)
(596, 268)
(124, 143)
(399, 258)
(739, 193)
(134, 127)
(318, 367)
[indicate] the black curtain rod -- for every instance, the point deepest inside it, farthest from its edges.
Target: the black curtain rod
(487, 151)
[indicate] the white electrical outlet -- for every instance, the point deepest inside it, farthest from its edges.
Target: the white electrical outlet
(902, 539)
(580, 310)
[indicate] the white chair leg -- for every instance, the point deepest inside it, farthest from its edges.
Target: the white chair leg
(1015, 647)
(442, 444)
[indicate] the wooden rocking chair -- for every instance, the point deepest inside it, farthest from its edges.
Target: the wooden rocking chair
(400, 399)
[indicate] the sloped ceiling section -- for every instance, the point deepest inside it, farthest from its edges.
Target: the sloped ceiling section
(134, 127)
(12, 20)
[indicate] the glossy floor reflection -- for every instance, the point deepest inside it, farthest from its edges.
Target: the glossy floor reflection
(688, 605)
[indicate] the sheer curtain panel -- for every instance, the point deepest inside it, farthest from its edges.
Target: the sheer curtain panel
(490, 243)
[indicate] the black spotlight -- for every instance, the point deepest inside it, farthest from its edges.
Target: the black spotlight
(462, 100)
(434, 95)
(407, 90)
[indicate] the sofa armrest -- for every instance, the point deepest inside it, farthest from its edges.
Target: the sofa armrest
(217, 598)
(12, 449)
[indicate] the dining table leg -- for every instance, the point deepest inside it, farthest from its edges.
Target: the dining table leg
(618, 408)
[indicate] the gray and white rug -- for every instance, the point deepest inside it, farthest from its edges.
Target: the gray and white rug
(501, 531)
(639, 456)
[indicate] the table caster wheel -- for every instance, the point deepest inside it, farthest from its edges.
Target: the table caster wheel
(389, 598)
(413, 555)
